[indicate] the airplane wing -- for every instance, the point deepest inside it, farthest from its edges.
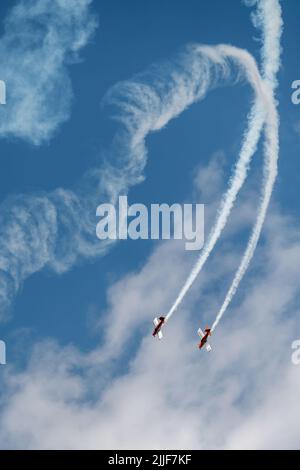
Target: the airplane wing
(200, 333)
(156, 321)
(160, 335)
(208, 347)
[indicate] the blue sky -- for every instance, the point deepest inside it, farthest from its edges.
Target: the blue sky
(79, 307)
(114, 54)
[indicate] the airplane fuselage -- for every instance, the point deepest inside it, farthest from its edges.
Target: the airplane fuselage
(158, 327)
(202, 342)
(204, 339)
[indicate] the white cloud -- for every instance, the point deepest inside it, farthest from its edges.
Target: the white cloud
(170, 395)
(40, 39)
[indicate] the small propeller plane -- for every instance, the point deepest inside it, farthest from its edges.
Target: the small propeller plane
(158, 323)
(204, 338)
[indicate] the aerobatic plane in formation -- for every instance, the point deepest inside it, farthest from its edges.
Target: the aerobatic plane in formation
(158, 323)
(204, 338)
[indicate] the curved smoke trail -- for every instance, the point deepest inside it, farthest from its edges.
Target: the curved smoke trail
(251, 138)
(56, 229)
(269, 17)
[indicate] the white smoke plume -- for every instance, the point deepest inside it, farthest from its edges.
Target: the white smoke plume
(250, 141)
(268, 15)
(269, 18)
(57, 229)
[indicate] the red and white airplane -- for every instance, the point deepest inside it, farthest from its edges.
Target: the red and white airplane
(204, 338)
(158, 323)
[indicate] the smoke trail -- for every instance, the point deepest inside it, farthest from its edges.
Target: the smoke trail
(57, 229)
(248, 149)
(250, 141)
(270, 53)
(269, 17)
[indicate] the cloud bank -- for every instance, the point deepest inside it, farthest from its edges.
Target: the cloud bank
(235, 398)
